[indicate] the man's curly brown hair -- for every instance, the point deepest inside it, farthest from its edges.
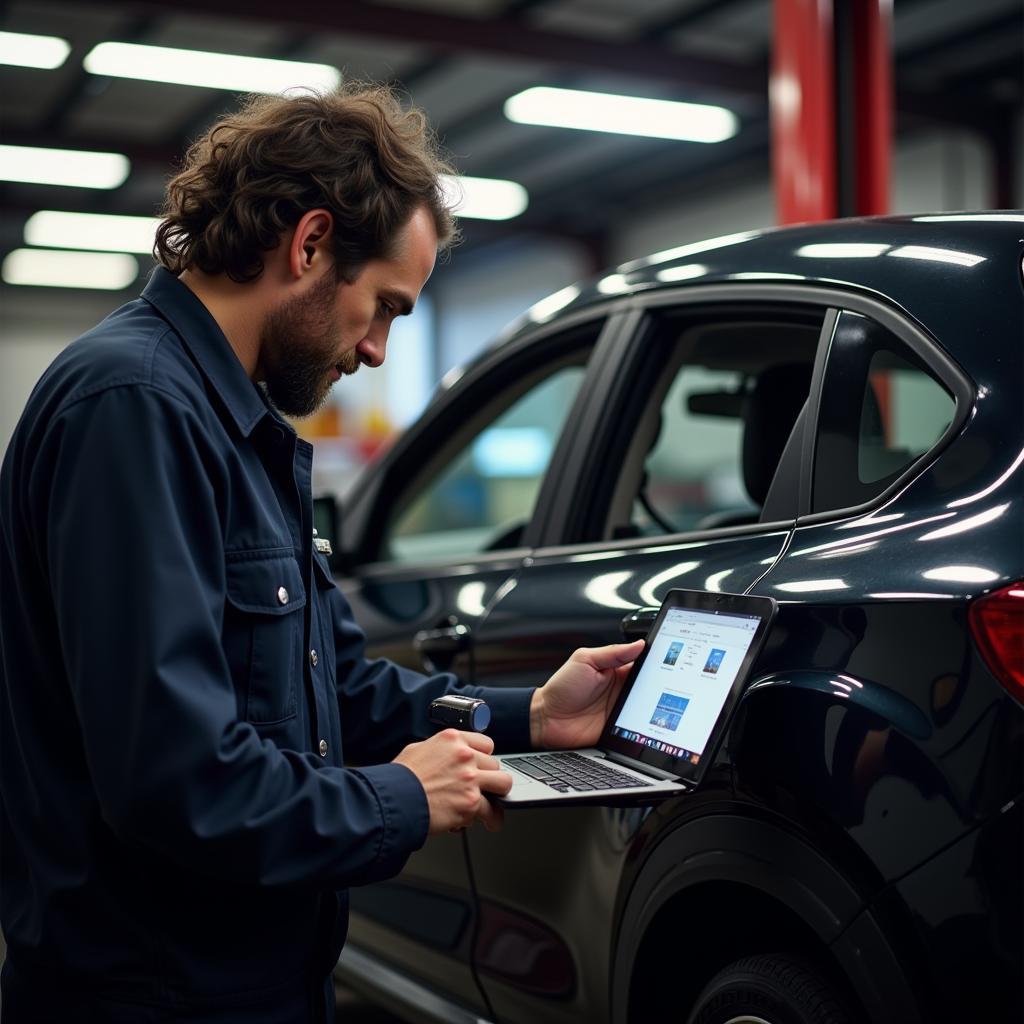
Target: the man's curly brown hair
(251, 177)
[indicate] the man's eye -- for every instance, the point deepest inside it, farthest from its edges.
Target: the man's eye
(386, 308)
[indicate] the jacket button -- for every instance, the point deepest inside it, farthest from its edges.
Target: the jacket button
(313, 659)
(323, 748)
(282, 595)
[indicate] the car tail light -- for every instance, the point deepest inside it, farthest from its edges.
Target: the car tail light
(997, 624)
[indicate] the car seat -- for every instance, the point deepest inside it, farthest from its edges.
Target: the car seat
(770, 409)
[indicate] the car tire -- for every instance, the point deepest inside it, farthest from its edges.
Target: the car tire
(770, 989)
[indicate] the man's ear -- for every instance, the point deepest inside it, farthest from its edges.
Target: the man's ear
(310, 248)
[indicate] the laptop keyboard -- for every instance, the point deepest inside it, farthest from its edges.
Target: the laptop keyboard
(571, 773)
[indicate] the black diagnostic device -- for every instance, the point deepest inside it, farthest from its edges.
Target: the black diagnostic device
(455, 712)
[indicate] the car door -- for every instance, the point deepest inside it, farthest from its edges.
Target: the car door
(433, 535)
(681, 483)
(873, 588)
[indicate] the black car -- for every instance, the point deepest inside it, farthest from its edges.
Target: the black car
(830, 415)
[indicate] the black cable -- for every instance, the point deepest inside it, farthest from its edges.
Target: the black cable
(475, 903)
(653, 512)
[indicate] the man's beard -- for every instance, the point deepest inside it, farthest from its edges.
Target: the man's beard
(298, 347)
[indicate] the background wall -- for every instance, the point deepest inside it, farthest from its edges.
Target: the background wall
(35, 324)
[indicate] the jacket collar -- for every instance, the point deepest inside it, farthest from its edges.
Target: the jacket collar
(183, 310)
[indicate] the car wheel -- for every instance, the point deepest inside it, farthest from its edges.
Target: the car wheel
(770, 989)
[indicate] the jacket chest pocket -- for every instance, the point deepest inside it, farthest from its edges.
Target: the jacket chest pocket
(263, 627)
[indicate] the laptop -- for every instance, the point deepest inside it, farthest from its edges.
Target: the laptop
(674, 709)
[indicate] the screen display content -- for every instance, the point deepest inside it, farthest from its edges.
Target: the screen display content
(685, 681)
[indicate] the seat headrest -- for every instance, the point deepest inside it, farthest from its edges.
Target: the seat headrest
(770, 410)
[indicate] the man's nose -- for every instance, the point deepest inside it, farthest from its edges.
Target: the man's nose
(373, 347)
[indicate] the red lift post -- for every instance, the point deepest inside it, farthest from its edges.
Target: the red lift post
(831, 108)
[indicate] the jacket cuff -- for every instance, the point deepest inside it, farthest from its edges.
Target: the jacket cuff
(510, 717)
(405, 816)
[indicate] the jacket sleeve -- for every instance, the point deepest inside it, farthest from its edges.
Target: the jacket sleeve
(384, 706)
(126, 486)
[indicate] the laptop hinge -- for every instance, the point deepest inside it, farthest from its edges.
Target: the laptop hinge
(639, 766)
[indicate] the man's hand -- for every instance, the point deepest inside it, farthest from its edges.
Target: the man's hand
(456, 770)
(570, 709)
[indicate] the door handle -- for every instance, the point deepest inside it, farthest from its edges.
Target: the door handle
(438, 648)
(636, 625)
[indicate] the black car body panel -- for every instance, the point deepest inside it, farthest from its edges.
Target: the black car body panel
(866, 806)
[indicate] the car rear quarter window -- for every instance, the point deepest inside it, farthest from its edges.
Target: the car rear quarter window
(882, 409)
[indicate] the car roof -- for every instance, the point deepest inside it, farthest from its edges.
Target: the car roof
(957, 274)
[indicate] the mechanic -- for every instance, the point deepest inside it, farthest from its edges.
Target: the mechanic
(182, 683)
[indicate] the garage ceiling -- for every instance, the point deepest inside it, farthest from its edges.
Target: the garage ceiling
(956, 63)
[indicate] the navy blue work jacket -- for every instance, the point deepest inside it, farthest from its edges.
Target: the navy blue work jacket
(178, 828)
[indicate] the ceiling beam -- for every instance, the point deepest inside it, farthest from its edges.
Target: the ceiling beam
(507, 36)
(1003, 26)
(499, 36)
(61, 110)
(677, 21)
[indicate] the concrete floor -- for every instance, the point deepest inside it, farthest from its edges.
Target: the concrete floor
(352, 1009)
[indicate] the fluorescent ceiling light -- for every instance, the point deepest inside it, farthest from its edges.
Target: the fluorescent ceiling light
(105, 232)
(843, 250)
(621, 115)
(77, 168)
(61, 269)
(212, 70)
(484, 198)
(28, 51)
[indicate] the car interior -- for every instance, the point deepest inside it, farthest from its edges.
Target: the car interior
(671, 480)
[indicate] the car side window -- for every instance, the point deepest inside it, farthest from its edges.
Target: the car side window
(882, 408)
(685, 483)
(723, 396)
(481, 495)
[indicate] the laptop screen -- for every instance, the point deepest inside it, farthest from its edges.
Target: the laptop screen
(692, 662)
